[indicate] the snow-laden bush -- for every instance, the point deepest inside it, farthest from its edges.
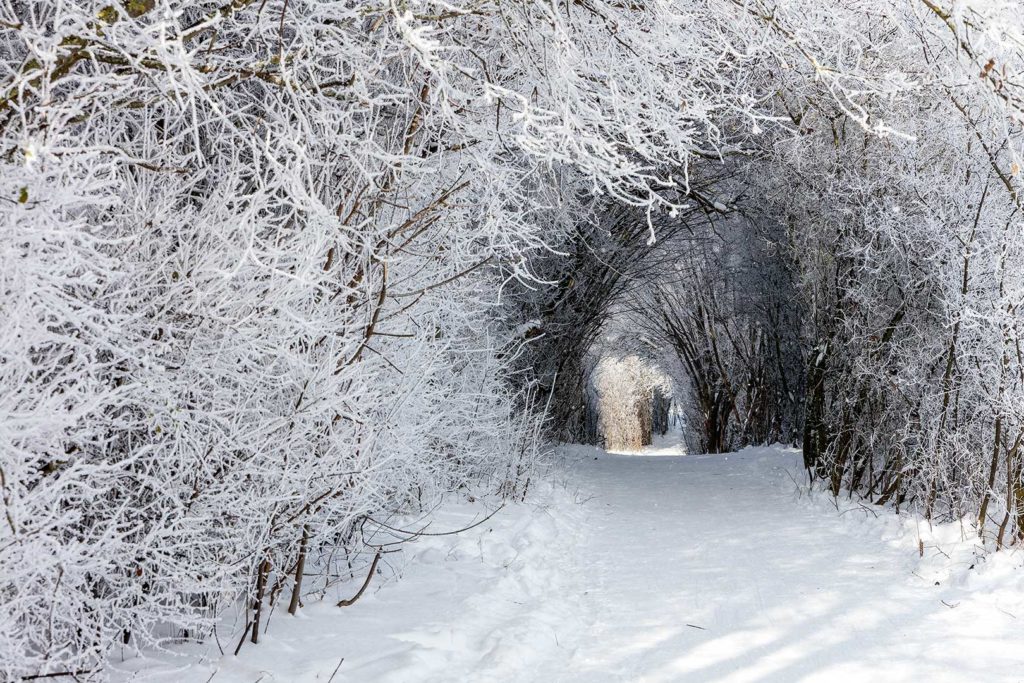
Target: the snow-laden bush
(908, 248)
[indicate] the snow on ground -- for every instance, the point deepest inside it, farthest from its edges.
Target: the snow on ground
(718, 568)
(451, 609)
(668, 568)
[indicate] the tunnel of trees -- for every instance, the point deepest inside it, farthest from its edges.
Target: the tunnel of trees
(273, 271)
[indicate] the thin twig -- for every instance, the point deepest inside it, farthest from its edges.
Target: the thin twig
(362, 589)
(340, 662)
(437, 533)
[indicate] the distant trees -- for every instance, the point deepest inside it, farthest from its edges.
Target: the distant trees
(630, 392)
(594, 271)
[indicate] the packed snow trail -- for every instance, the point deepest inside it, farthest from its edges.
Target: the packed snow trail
(708, 568)
(669, 568)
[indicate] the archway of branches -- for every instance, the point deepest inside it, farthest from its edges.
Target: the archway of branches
(706, 321)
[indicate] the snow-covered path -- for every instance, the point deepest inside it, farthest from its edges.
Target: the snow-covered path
(667, 568)
(709, 568)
